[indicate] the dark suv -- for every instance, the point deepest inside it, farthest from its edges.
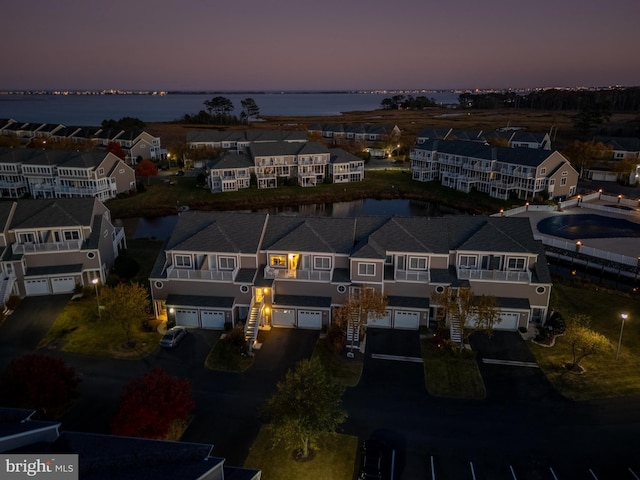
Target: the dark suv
(373, 460)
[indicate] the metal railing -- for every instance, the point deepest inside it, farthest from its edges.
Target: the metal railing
(493, 275)
(19, 248)
(412, 276)
(286, 274)
(213, 275)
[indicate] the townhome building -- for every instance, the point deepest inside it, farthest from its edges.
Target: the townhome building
(281, 271)
(239, 140)
(305, 163)
(229, 172)
(51, 246)
(500, 172)
(139, 144)
(510, 138)
(339, 132)
(345, 167)
(60, 173)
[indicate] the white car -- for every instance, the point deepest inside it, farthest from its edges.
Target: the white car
(172, 337)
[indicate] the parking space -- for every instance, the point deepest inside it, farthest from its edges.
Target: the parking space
(496, 467)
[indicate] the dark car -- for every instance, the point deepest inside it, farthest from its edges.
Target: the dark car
(173, 337)
(373, 462)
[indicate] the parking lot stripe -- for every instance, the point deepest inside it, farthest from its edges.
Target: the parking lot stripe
(512, 363)
(634, 474)
(397, 358)
(433, 469)
(594, 475)
(473, 472)
(513, 473)
(553, 473)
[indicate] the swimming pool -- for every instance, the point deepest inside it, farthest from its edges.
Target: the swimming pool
(580, 227)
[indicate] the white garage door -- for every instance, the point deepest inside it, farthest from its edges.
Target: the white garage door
(63, 284)
(187, 318)
(509, 321)
(406, 320)
(210, 319)
(309, 319)
(37, 287)
(282, 317)
(383, 321)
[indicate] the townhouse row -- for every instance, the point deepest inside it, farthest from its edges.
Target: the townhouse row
(53, 246)
(135, 143)
(273, 163)
(261, 270)
(60, 173)
(512, 138)
(500, 172)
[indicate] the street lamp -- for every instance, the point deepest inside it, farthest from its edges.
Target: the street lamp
(624, 317)
(95, 284)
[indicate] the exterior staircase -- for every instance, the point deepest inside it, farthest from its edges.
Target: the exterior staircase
(353, 330)
(6, 285)
(251, 327)
(456, 333)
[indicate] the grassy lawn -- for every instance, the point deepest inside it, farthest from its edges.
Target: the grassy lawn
(345, 371)
(225, 356)
(335, 458)
(605, 376)
(451, 374)
(78, 329)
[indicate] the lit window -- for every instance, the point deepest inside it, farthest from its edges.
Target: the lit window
(277, 261)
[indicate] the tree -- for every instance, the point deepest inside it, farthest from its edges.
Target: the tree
(152, 405)
(249, 109)
(125, 123)
(583, 154)
(590, 116)
(363, 304)
(126, 305)
(146, 168)
(116, 149)
(486, 314)
(219, 106)
(583, 341)
(306, 404)
(39, 382)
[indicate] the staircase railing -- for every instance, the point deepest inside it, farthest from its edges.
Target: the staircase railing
(252, 324)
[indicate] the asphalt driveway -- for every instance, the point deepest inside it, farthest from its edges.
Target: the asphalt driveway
(509, 369)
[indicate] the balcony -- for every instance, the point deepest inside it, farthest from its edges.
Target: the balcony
(412, 276)
(493, 275)
(21, 248)
(212, 275)
(285, 274)
(82, 191)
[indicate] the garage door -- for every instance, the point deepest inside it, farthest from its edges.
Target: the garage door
(406, 320)
(187, 318)
(63, 284)
(210, 319)
(37, 287)
(509, 321)
(309, 319)
(282, 317)
(383, 321)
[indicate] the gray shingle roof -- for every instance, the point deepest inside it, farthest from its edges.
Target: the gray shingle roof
(58, 212)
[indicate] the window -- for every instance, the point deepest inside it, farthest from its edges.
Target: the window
(467, 261)
(322, 263)
(516, 264)
(543, 171)
(226, 263)
(563, 181)
(367, 269)
(183, 261)
(277, 261)
(27, 238)
(417, 263)
(552, 182)
(71, 235)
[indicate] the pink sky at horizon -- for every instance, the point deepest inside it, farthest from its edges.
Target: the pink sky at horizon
(305, 45)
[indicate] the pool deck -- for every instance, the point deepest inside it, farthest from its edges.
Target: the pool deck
(620, 245)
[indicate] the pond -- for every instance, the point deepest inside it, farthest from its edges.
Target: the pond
(161, 227)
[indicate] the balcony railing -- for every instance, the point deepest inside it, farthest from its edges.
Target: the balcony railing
(412, 276)
(494, 275)
(285, 274)
(213, 275)
(19, 248)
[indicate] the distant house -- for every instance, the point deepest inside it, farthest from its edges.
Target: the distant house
(623, 148)
(238, 141)
(346, 167)
(139, 144)
(497, 171)
(61, 173)
(511, 138)
(51, 246)
(229, 173)
(340, 132)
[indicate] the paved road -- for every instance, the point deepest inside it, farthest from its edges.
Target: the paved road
(523, 424)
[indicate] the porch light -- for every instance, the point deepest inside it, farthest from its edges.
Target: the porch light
(171, 310)
(267, 309)
(95, 284)
(265, 290)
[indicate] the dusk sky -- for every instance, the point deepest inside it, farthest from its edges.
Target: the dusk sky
(330, 44)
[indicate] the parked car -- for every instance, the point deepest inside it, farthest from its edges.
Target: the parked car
(180, 173)
(373, 461)
(173, 337)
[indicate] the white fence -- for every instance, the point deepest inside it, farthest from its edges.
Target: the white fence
(589, 251)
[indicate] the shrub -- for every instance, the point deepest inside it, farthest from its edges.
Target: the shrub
(557, 323)
(336, 338)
